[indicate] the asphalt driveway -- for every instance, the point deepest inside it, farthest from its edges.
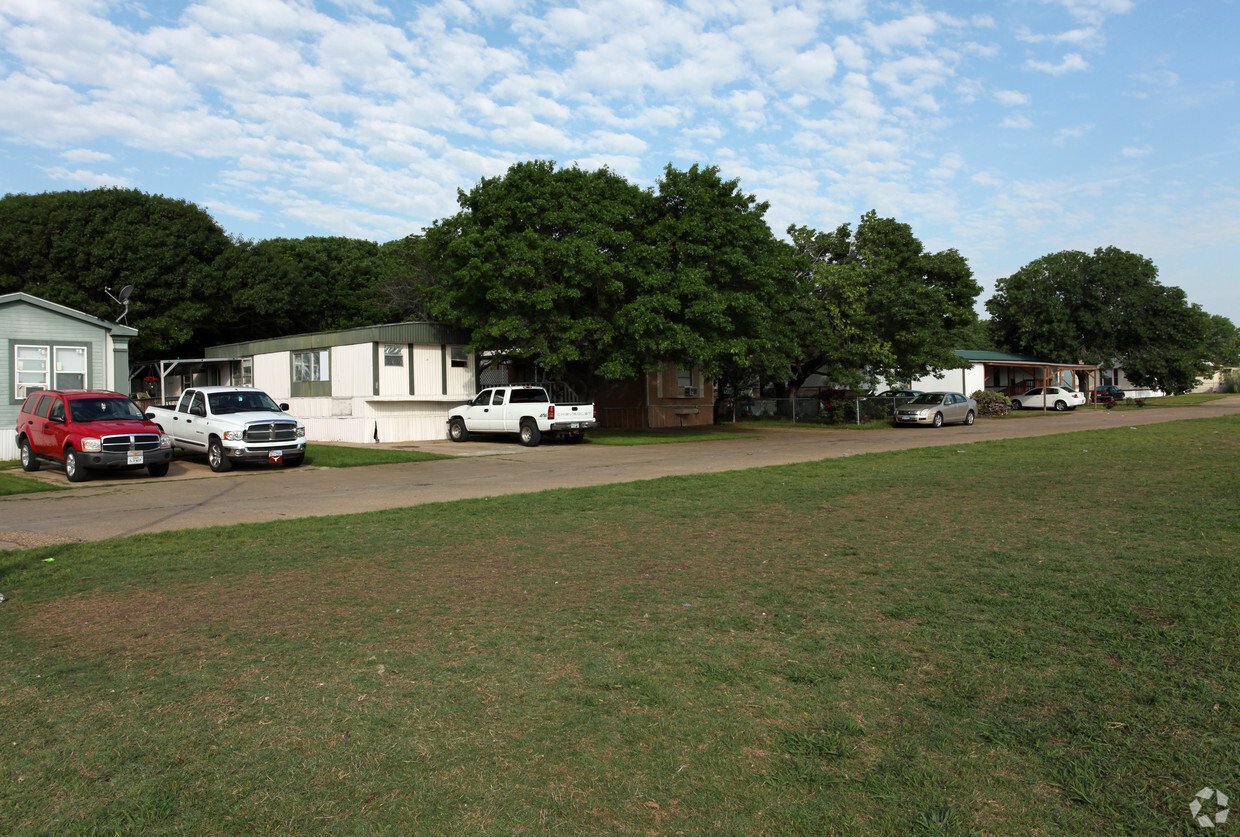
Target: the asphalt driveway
(191, 496)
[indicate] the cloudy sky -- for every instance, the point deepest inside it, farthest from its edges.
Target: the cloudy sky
(1006, 129)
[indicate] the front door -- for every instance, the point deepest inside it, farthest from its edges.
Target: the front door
(478, 414)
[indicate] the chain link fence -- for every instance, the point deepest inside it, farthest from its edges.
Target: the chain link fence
(808, 410)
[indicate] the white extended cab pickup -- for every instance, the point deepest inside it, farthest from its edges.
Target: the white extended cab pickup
(524, 410)
(232, 424)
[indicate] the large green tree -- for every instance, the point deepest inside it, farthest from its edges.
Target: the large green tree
(193, 285)
(875, 303)
(294, 285)
(71, 247)
(590, 276)
(1222, 342)
(1105, 307)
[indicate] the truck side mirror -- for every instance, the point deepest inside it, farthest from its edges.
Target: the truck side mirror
(283, 406)
(150, 416)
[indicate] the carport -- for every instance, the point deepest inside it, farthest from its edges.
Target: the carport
(214, 366)
(1015, 374)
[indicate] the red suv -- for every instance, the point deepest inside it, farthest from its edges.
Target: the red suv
(88, 429)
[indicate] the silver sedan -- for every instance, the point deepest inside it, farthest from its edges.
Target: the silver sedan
(937, 409)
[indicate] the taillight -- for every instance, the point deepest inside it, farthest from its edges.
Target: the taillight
(551, 413)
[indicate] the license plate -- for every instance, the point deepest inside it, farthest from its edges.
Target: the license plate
(134, 458)
(275, 456)
(908, 418)
(574, 426)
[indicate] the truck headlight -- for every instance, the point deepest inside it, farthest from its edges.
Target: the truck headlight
(301, 432)
(234, 435)
(165, 441)
(92, 444)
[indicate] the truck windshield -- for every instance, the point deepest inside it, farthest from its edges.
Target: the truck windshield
(223, 403)
(103, 409)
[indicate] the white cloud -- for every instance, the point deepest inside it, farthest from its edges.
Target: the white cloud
(1093, 11)
(1071, 63)
(912, 31)
(85, 155)
(1011, 98)
(82, 178)
(1022, 123)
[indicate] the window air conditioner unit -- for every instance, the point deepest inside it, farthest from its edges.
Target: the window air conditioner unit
(690, 391)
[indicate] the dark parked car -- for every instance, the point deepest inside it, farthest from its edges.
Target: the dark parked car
(1108, 394)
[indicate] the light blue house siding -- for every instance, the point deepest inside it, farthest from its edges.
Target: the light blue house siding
(44, 346)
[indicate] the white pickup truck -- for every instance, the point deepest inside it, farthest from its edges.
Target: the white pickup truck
(232, 424)
(524, 410)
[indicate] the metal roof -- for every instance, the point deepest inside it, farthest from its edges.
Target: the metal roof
(1013, 359)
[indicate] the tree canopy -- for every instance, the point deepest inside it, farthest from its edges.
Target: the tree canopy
(875, 304)
(589, 275)
(1107, 308)
(69, 247)
(193, 285)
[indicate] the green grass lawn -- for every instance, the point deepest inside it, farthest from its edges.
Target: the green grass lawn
(1017, 637)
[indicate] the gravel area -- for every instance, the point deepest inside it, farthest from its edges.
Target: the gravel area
(25, 539)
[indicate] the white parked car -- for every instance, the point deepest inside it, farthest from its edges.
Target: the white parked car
(1057, 398)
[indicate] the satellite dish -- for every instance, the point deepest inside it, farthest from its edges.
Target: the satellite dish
(123, 299)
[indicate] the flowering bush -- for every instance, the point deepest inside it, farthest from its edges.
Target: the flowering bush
(992, 403)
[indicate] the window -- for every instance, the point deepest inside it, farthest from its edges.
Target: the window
(393, 355)
(246, 375)
(499, 397)
(310, 366)
(32, 369)
(482, 399)
(48, 367)
(460, 358)
(57, 413)
(684, 381)
(40, 409)
(70, 367)
(529, 396)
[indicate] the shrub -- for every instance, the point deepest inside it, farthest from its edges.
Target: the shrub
(992, 403)
(1231, 381)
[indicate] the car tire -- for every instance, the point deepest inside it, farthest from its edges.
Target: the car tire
(1060, 406)
(1015, 404)
(158, 469)
(968, 419)
(938, 419)
(457, 431)
(215, 456)
(30, 461)
(530, 434)
(74, 470)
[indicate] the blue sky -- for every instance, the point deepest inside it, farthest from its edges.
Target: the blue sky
(1007, 130)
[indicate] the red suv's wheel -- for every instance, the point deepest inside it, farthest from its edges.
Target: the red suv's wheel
(30, 462)
(74, 470)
